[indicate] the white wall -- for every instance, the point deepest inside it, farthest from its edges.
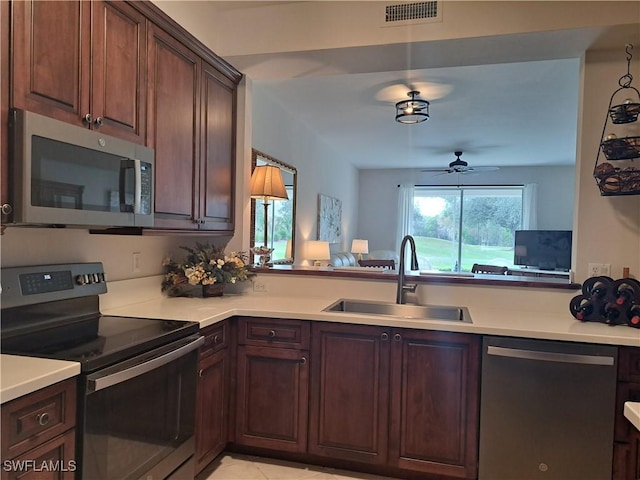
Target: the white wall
(321, 170)
(607, 228)
(378, 194)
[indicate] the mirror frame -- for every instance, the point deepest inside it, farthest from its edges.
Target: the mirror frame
(255, 154)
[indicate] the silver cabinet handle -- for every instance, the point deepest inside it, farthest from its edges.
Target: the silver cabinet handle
(6, 209)
(98, 122)
(397, 337)
(43, 419)
(200, 372)
(549, 356)
(272, 333)
(303, 361)
(384, 337)
(88, 119)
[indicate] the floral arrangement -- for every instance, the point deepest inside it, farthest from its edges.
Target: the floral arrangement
(205, 265)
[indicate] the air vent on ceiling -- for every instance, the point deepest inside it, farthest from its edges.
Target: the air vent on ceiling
(404, 12)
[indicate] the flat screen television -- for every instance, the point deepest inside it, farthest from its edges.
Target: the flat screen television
(543, 249)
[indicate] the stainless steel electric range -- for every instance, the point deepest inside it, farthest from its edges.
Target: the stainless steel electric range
(136, 390)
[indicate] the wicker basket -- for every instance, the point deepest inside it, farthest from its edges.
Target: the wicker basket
(621, 148)
(625, 113)
(616, 181)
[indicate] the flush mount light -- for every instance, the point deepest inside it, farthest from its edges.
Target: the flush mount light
(414, 110)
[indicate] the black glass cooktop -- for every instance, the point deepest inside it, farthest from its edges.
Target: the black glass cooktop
(99, 341)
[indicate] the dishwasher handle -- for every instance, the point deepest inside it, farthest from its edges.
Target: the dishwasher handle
(537, 355)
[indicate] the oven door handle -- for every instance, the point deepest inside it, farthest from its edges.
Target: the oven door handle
(96, 384)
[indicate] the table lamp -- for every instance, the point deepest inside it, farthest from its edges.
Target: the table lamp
(359, 246)
(317, 250)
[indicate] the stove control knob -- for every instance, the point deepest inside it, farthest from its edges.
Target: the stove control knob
(81, 279)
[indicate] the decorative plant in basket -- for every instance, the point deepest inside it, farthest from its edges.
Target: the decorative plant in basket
(204, 272)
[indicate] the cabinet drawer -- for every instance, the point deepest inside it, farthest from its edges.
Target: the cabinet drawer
(57, 454)
(33, 419)
(629, 367)
(273, 332)
(216, 337)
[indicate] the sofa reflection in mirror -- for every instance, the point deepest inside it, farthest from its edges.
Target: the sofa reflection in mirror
(281, 218)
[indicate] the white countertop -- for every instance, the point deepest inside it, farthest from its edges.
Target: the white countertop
(521, 313)
(485, 321)
(22, 375)
(632, 412)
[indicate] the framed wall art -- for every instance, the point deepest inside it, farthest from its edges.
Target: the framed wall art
(329, 219)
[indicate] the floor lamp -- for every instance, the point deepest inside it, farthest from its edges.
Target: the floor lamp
(266, 185)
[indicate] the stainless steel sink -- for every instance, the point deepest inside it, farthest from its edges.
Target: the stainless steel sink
(417, 312)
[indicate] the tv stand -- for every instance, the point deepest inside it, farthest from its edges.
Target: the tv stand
(538, 272)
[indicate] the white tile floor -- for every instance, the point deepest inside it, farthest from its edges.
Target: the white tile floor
(242, 467)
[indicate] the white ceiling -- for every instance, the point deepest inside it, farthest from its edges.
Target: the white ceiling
(504, 101)
(504, 114)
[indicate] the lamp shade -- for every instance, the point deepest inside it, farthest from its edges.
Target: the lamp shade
(267, 183)
(317, 250)
(359, 246)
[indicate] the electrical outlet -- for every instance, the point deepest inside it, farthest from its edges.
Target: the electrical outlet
(136, 260)
(598, 269)
(259, 286)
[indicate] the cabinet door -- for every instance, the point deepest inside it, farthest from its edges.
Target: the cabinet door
(272, 398)
(51, 58)
(4, 108)
(119, 85)
(172, 128)
(211, 408)
(52, 460)
(434, 402)
(217, 170)
(350, 392)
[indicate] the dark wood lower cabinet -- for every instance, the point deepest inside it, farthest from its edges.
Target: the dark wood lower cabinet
(349, 392)
(435, 385)
(212, 409)
(212, 396)
(418, 390)
(272, 398)
(626, 449)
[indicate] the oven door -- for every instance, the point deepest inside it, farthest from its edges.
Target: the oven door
(138, 417)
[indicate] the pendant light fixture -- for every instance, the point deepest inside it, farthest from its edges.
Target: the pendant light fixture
(415, 110)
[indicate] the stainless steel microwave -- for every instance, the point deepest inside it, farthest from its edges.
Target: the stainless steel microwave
(62, 174)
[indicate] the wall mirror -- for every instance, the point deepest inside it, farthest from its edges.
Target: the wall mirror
(281, 214)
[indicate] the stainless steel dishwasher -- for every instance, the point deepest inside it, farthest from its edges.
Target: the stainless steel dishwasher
(547, 410)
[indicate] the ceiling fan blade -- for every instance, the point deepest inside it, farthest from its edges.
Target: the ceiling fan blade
(483, 169)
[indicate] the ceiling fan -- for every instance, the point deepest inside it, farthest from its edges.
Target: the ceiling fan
(460, 166)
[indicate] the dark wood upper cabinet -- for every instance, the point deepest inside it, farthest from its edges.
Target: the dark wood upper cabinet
(4, 110)
(82, 63)
(173, 129)
(191, 125)
(217, 173)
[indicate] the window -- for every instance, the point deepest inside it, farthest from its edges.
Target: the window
(455, 227)
(279, 221)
